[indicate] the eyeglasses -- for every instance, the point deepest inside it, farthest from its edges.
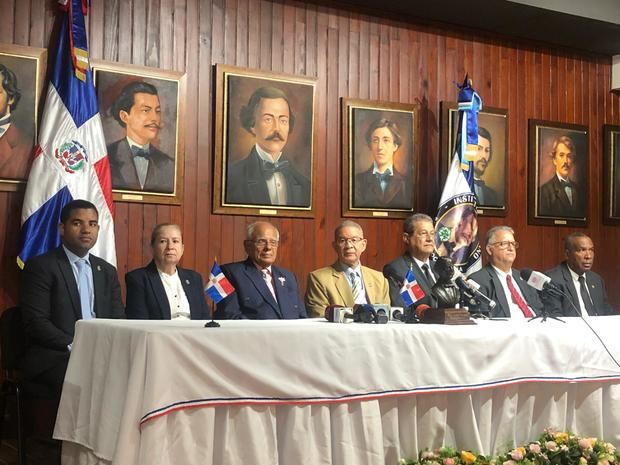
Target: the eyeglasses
(505, 244)
(344, 241)
(262, 243)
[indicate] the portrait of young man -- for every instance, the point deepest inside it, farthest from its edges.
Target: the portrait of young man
(17, 116)
(140, 124)
(382, 159)
(268, 146)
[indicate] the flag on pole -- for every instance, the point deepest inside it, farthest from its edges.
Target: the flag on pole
(456, 223)
(411, 291)
(70, 160)
(218, 287)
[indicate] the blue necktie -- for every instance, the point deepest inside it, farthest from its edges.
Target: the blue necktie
(84, 288)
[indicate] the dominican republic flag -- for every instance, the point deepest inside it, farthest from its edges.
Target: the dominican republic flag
(70, 161)
(456, 223)
(411, 291)
(218, 287)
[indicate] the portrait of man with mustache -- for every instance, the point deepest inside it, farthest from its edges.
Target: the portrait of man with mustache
(135, 162)
(266, 176)
(561, 195)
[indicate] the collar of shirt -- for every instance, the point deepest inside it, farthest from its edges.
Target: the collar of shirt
(133, 143)
(260, 268)
(561, 179)
(575, 276)
(502, 274)
(74, 258)
(166, 275)
(420, 263)
(4, 124)
(389, 170)
(266, 156)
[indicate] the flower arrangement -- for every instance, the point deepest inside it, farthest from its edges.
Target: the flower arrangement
(552, 448)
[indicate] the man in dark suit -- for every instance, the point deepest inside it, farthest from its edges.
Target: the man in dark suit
(418, 236)
(586, 288)
(502, 283)
(135, 163)
(381, 185)
(61, 287)
(163, 290)
(486, 195)
(561, 196)
(263, 291)
(266, 176)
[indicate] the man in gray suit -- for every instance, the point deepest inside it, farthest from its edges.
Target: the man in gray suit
(502, 283)
(418, 236)
(585, 287)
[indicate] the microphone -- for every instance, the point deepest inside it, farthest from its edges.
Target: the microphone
(467, 285)
(338, 314)
(420, 309)
(363, 313)
(541, 282)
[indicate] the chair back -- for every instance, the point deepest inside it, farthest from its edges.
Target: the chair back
(12, 338)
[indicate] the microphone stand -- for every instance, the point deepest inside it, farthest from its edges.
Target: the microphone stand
(546, 296)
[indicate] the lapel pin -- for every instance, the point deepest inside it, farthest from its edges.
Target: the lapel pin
(98, 267)
(187, 282)
(282, 280)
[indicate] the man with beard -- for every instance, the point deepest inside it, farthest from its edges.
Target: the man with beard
(561, 196)
(136, 164)
(485, 194)
(265, 176)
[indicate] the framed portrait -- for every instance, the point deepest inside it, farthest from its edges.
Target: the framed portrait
(558, 173)
(611, 175)
(264, 143)
(491, 164)
(22, 71)
(378, 155)
(142, 113)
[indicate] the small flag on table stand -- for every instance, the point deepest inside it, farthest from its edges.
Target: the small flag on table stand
(218, 288)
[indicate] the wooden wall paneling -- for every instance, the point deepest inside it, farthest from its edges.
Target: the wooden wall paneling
(242, 35)
(277, 33)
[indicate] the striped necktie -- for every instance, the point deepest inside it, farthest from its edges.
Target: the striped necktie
(356, 287)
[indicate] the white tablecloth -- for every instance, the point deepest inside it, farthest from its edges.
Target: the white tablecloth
(283, 392)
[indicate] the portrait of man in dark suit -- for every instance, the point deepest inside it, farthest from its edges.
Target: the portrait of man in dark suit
(382, 185)
(268, 175)
(136, 162)
(562, 195)
(16, 138)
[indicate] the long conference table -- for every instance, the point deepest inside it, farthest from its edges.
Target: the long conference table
(313, 392)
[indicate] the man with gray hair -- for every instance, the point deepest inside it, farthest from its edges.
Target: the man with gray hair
(418, 237)
(346, 282)
(263, 291)
(586, 288)
(502, 283)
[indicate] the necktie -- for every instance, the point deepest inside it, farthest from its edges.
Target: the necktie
(585, 296)
(84, 288)
(356, 287)
(269, 281)
(568, 189)
(427, 274)
(139, 152)
(383, 179)
(517, 299)
(271, 168)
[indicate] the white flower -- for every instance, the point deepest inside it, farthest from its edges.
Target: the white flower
(282, 280)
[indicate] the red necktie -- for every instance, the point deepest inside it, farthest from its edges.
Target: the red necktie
(517, 299)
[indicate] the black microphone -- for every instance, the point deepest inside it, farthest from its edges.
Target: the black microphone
(473, 286)
(363, 313)
(541, 282)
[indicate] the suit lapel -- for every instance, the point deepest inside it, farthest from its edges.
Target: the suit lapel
(256, 278)
(498, 290)
(570, 286)
(158, 290)
(72, 289)
(342, 285)
(595, 292)
(98, 285)
(525, 291)
(280, 287)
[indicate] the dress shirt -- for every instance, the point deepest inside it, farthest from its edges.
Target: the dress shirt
(179, 305)
(276, 184)
(268, 277)
(388, 172)
(421, 264)
(141, 163)
(515, 311)
(577, 285)
(348, 271)
(73, 258)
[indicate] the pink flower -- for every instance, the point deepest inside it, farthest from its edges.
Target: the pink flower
(448, 461)
(535, 448)
(509, 462)
(551, 445)
(584, 443)
(516, 455)
(427, 454)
